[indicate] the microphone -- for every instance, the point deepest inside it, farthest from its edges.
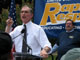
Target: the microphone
(23, 30)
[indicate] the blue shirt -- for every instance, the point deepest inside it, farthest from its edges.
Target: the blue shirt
(67, 41)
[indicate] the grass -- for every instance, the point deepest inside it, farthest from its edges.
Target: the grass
(50, 57)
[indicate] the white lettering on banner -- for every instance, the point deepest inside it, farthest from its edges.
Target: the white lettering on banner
(56, 0)
(77, 27)
(57, 27)
(53, 27)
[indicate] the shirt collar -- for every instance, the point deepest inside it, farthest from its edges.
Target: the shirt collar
(71, 30)
(28, 24)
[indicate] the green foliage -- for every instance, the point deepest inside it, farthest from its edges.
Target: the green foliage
(4, 15)
(18, 15)
(50, 57)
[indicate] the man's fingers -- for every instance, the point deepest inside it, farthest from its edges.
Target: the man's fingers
(9, 21)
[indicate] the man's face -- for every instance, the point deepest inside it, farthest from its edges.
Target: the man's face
(69, 25)
(26, 15)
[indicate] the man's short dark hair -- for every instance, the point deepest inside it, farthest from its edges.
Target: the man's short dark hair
(31, 11)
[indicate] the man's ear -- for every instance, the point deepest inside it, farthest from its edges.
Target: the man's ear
(32, 15)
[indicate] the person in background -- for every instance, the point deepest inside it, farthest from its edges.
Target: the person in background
(36, 37)
(5, 46)
(72, 54)
(67, 40)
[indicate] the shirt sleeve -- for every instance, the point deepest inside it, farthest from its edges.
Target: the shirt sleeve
(43, 40)
(55, 47)
(15, 33)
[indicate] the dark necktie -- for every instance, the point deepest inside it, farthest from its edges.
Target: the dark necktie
(24, 47)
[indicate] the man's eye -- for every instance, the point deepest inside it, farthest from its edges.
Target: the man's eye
(24, 11)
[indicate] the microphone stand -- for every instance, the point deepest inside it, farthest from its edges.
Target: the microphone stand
(16, 36)
(29, 48)
(19, 34)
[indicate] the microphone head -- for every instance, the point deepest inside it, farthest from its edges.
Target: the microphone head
(23, 30)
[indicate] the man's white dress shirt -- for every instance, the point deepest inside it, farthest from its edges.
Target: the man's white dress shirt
(36, 38)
